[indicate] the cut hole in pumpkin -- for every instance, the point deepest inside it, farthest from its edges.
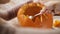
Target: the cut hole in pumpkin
(32, 9)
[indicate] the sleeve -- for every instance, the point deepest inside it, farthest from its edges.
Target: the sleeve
(6, 29)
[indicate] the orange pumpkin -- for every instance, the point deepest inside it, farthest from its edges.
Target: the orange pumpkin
(57, 23)
(30, 10)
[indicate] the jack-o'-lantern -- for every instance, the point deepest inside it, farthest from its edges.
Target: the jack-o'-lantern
(30, 10)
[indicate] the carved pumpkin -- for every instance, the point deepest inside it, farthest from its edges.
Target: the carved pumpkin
(30, 10)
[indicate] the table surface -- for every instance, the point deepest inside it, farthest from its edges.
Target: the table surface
(34, 30)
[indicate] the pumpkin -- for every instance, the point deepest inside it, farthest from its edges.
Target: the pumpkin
(57, 23)
(39, 21)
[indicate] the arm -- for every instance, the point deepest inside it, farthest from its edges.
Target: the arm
(9, 12)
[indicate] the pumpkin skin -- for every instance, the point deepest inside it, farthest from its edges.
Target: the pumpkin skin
(30, 10)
